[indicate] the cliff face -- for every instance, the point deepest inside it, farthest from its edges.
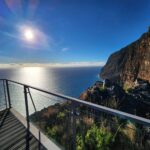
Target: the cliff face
(130, 63)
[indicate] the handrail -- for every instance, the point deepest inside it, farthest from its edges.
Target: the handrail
(118, 113)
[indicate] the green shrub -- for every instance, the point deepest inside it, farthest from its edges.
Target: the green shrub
(79, 143)
(98, 138)
(61, 115)
(52, 132)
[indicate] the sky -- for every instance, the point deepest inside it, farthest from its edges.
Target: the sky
(69, 31)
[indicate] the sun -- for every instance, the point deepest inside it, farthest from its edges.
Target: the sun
(29, 34)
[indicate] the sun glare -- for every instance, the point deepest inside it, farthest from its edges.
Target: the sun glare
(29, 34)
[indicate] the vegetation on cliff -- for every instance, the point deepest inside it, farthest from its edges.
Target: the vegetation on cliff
(94, 130)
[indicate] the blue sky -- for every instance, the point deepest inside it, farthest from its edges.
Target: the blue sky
(70, 30)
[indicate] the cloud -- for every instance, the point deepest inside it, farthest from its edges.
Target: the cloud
(79, 64)
(65, 49)
(70, 64)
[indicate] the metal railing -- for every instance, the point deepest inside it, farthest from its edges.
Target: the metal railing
(75, 108)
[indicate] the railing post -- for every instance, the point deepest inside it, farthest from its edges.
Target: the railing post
(73, 111)
(5, 93)
(8, 94)
(37, 117)
(27, 116)
(26, 105)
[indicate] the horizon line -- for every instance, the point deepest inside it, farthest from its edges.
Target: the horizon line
(69, 64)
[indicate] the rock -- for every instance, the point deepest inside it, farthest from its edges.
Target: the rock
(130, 63)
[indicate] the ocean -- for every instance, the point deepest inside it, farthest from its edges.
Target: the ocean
(71, 81)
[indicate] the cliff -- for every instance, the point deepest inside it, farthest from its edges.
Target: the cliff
(130, 63)
(135, 101)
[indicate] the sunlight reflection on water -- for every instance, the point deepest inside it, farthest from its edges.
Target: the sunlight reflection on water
(36, 76)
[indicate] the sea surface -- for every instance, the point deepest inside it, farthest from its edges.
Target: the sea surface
(68, 81)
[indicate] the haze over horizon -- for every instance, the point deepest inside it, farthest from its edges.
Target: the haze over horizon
(69, 64)
(67, 31)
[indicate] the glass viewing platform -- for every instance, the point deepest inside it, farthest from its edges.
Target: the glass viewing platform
(32, 118)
